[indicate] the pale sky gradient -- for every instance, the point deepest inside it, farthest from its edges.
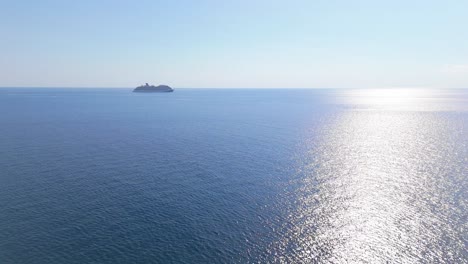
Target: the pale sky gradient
(241, 43)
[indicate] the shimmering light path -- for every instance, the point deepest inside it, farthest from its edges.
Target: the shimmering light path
(386, 183)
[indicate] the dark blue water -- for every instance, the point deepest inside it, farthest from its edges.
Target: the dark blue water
(233, 176)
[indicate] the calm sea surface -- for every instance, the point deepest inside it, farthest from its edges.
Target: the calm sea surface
(233, 176)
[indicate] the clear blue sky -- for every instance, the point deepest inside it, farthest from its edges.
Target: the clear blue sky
(241, 43)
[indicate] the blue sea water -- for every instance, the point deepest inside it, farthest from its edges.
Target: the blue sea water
(233, 176)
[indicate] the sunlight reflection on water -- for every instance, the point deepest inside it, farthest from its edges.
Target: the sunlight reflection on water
(379, 187)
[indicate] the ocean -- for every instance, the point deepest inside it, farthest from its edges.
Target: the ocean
(233, 176)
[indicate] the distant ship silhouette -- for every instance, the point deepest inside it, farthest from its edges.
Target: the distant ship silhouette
(153, 89)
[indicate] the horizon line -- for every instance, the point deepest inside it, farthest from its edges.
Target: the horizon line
(245, 88)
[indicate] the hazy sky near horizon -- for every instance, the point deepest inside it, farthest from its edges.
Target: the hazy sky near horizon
(242, 43)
